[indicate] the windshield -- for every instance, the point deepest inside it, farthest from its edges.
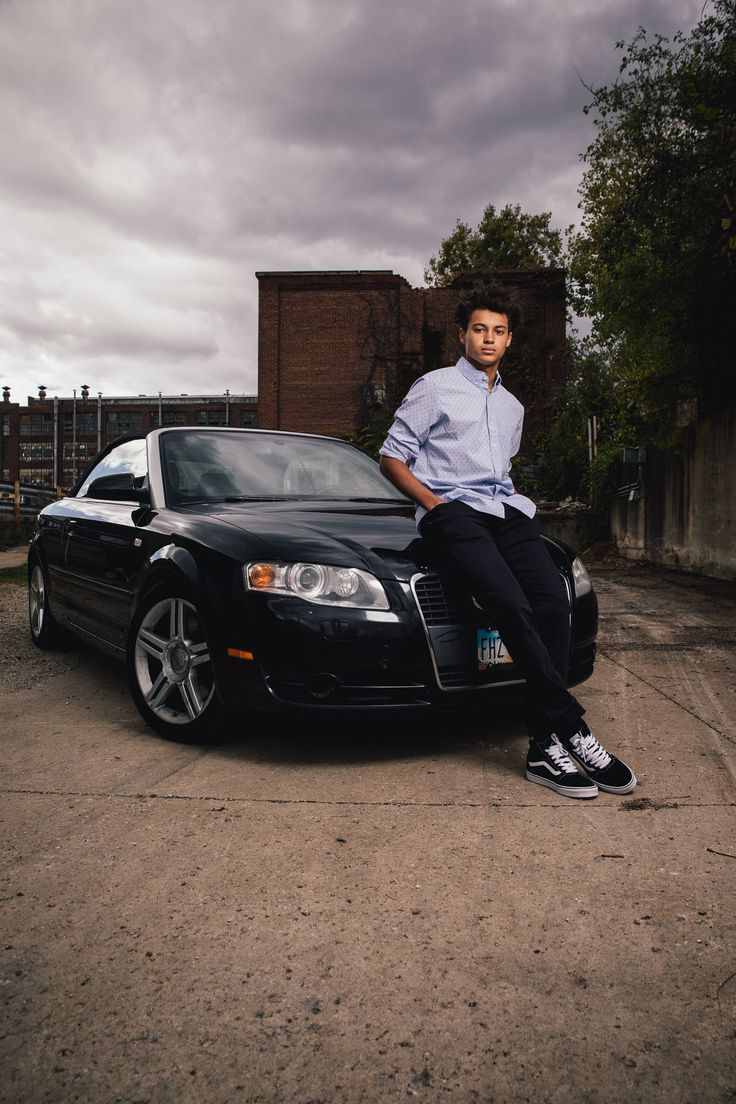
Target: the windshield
(206, 466)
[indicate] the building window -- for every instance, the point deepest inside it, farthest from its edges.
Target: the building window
(35, 450)
(211, 417)
(122, 421)
(36, 425)
(175, 417)
(6, 475)
(248, 419)
(86, 450)
(6, 425)
(42, 476)
(86, 422)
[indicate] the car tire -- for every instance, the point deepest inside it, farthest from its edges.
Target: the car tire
(46, 632)
(170, 669)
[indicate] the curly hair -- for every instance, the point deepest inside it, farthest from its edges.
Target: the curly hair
(490, 297)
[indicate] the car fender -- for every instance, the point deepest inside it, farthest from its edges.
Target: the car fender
(35, 552)
(37, 555)
(168, 564)
(173, 564)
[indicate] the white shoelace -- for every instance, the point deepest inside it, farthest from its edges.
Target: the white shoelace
(560, 758)
(590, 751)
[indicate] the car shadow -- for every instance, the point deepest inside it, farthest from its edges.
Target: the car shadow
(484, 729)
(330, 740)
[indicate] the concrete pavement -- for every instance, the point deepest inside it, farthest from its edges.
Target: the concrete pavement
(376, 910)
(13, 557)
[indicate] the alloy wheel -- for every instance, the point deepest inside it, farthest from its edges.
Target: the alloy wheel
(37, 601)
(172, 662)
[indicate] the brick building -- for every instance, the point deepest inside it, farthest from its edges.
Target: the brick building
(49, 441)
(334, 345)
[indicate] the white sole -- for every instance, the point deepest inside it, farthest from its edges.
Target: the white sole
(602, 785)
(617, 789)
(578, 791)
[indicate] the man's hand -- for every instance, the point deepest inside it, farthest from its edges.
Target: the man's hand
(398, 473)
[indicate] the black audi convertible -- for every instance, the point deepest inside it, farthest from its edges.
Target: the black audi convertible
(237, 568)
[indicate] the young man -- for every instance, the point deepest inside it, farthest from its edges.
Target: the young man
(449, 449)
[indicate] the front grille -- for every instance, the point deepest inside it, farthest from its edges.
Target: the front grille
(451, 620)
(439, 605)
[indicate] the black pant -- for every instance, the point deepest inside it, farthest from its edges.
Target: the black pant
(504, 564)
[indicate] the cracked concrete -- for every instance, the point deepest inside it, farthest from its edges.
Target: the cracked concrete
(376, 909)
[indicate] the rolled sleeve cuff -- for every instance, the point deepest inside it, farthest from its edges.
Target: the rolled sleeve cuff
(397, 451)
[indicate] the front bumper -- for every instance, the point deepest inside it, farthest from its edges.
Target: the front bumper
(420, 652)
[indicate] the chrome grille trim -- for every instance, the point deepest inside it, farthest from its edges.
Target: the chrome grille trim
(436, 604)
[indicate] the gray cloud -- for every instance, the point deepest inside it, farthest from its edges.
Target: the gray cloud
(156, 156)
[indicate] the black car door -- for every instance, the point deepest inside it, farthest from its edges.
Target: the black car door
(101, 563)
(103, 551)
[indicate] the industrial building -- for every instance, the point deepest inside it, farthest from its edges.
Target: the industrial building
(49, 441)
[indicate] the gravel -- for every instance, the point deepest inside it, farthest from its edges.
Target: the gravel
(24, 666)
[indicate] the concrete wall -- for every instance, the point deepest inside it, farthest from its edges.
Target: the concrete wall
(687, 515)
(578, 528)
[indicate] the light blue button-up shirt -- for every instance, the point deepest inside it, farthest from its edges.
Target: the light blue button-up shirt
(458, 438)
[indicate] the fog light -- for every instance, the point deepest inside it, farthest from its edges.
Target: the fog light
(322, 685)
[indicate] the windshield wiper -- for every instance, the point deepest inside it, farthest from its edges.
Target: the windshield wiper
(308, 498)
(260, 498)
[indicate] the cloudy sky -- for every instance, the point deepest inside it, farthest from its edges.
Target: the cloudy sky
(156, 154)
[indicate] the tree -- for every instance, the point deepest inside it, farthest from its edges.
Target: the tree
(507, 239)
(591, 388)
(389, 368)
(654, 263)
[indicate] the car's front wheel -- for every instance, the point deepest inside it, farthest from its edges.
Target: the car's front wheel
(170, 668)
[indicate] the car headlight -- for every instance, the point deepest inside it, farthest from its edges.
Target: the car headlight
(327, 586)
(580, 578)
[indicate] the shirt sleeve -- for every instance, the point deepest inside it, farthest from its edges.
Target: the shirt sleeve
(516, 439)
(412, 423)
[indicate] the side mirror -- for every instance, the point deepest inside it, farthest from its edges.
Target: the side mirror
(119, 487)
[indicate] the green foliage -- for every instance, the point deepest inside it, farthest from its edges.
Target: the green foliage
(507, 239)
(592, 388)
(13, 534)
(654, 263)
(372, 435)
(17, 575)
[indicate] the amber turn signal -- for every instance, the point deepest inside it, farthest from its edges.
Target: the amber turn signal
(261, 575)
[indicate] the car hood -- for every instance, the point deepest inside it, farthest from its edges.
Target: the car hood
(381, 538)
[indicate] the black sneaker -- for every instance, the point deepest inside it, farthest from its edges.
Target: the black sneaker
(608, 772)
(549, 764)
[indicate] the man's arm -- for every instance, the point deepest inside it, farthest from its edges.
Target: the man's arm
(399, 473)
(412, 424)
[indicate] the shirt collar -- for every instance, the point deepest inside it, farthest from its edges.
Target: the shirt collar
(476, 376)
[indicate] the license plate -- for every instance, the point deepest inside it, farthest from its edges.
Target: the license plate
(491, 649)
